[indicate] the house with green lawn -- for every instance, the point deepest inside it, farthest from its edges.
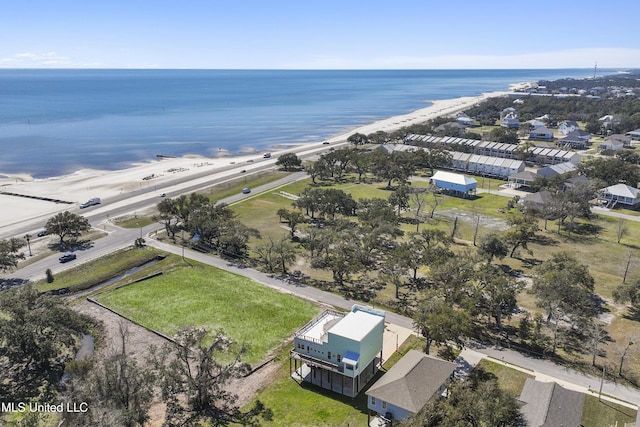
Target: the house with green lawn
(339, 352)
(407, 386)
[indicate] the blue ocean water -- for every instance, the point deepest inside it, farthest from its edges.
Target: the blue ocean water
(54, 122)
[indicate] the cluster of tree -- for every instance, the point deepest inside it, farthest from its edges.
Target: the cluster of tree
(396, 166)
(67, 225)
(289, 162)
(10, 253)
(38, 336)
(213, 225)
(630, 80)
(564, 202)
(462, 292)
(589, 110)
(611, 171)
(477, 401)
(187, 378)
(64, 225)
(347, 247)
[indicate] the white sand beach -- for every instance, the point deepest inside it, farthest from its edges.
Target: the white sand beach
(159, 174)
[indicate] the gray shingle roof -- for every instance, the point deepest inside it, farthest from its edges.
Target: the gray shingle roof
(550, 405)
(412, 381)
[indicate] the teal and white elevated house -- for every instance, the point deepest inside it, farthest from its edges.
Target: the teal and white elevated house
(339, 352)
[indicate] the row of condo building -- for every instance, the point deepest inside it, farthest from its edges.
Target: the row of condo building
(540, 155)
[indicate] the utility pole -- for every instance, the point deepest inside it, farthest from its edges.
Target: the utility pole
(624, 353)
(28, 238)
(601, 383)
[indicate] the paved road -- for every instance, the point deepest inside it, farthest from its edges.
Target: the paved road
(541, 367)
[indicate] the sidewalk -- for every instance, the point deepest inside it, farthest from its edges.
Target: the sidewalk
(469, 358)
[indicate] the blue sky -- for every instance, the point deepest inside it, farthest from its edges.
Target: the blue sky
(311, 34)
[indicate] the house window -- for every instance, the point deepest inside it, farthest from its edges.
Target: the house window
(338, 356)
(384, 405)
(329, 355)
(373, 400)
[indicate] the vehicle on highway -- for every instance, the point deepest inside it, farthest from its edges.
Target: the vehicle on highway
(67, 257)
(92, 202)
(250, 161)
(246, 190)
(326, 143)
(42, 233)
(266, 155)
(163, 195)
(243, 171)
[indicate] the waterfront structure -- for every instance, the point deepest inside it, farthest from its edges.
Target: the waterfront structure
(337, 351)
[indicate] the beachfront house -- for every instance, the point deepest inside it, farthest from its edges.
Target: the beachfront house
(454, 183)
(547, 404)
(339, 352)
(407, 386)
(620, 194)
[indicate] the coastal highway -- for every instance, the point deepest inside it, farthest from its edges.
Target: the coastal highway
(118, 237)
(143, 198)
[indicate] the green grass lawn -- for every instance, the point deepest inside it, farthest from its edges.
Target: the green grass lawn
(602, 413)
(509, 379)
(99, 270)
(246, 311)
(304, 404)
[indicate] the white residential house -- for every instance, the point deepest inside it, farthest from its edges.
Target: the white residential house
(634, 135)
(339, 352)
(464, 119)
(543, 133)
(620, 194)
(567, 127)
(408, 385)
(612, 145)
(618, 137)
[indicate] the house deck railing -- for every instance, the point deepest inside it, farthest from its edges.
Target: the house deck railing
(309, 325)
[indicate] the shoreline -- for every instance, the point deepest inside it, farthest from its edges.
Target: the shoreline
(84, 184)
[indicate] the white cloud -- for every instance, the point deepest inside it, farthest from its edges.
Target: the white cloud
(35, 60)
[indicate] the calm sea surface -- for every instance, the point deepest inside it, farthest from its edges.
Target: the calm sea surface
(54, 122)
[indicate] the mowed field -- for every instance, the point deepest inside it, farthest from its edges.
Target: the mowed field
(247, 312)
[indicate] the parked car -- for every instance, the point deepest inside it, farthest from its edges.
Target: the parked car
(67, 257)
(42, 233)
(246, 190)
